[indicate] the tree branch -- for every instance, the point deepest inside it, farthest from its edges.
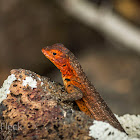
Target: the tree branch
(105, 21)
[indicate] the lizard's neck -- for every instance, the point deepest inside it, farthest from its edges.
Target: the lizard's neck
(67, 73)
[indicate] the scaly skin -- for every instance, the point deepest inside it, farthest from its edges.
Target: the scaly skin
(77, 84)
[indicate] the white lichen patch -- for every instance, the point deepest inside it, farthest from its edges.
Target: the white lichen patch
(30, 81)
(131, 124)
(104, 131)
(4, 90)
(42, 83)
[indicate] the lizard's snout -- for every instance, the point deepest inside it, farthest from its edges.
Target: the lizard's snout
(44, 51)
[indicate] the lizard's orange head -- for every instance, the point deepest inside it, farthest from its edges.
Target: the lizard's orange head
(57, 54)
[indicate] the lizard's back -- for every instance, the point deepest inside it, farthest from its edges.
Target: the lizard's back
(92, 99)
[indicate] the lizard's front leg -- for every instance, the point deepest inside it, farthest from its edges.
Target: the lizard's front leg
(74, 93)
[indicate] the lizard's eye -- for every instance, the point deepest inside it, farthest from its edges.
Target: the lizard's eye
(54, 53)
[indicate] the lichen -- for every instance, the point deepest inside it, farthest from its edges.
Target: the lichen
(131, 124)
(30, 81)
(102, 130)
(4, 90)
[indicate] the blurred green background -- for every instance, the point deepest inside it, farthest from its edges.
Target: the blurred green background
(26, 26)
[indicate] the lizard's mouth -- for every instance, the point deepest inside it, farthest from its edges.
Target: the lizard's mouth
(44, 51)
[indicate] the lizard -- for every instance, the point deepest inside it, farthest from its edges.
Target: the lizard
(79, 88)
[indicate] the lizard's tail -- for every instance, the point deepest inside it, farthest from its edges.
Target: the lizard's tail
(100, 111)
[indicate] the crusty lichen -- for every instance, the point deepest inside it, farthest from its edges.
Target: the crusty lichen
(102, 130)
(30, 81)
(4, 90)
(131, 124)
